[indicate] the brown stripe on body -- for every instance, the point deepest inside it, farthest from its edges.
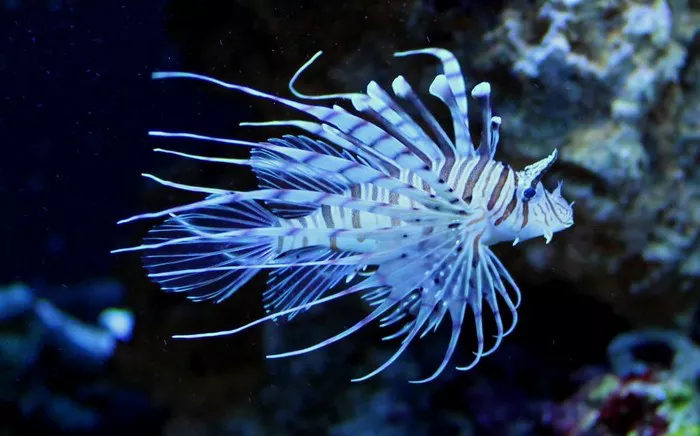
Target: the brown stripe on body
(327, 214)
(526, 213)
(551, 206)
(446, 169)
(474, 176)
(304, 239)
(509, 209)
(487, 181)
(355, 192)
(477, 241)
(356, 219)
(394, 199)
(544, 215)
(460, 170)
(413, 180)
(475, 221)
(513, 202)
(496, 193)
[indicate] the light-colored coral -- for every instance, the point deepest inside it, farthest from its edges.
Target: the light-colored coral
(637, 397)
(596, 77)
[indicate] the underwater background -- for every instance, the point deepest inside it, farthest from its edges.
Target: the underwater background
(608, 339)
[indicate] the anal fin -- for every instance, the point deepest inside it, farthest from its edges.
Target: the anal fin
(298, 285)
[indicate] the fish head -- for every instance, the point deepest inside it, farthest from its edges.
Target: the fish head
(543, 212)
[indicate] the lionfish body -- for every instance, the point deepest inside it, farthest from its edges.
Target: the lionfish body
(372, 203)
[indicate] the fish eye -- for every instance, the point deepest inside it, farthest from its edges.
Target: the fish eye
(529, 193)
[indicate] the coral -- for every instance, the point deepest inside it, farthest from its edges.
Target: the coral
(614, 85)
(39, 340)
(623, 50)
(644, 394)
(82, 342)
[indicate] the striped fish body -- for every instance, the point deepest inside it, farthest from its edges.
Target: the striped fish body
(336, 217)
(374, 188)
(484, 183)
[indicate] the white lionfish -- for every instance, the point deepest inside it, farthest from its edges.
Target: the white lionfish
(373, 205)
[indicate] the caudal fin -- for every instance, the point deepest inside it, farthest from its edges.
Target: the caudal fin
(200, 266)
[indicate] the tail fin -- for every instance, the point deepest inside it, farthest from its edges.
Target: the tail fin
(188, 263)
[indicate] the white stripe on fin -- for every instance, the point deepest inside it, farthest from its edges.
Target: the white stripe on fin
(453, 94)
(295, 286)
(181, 260)
(355, 173)
(367, 135)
